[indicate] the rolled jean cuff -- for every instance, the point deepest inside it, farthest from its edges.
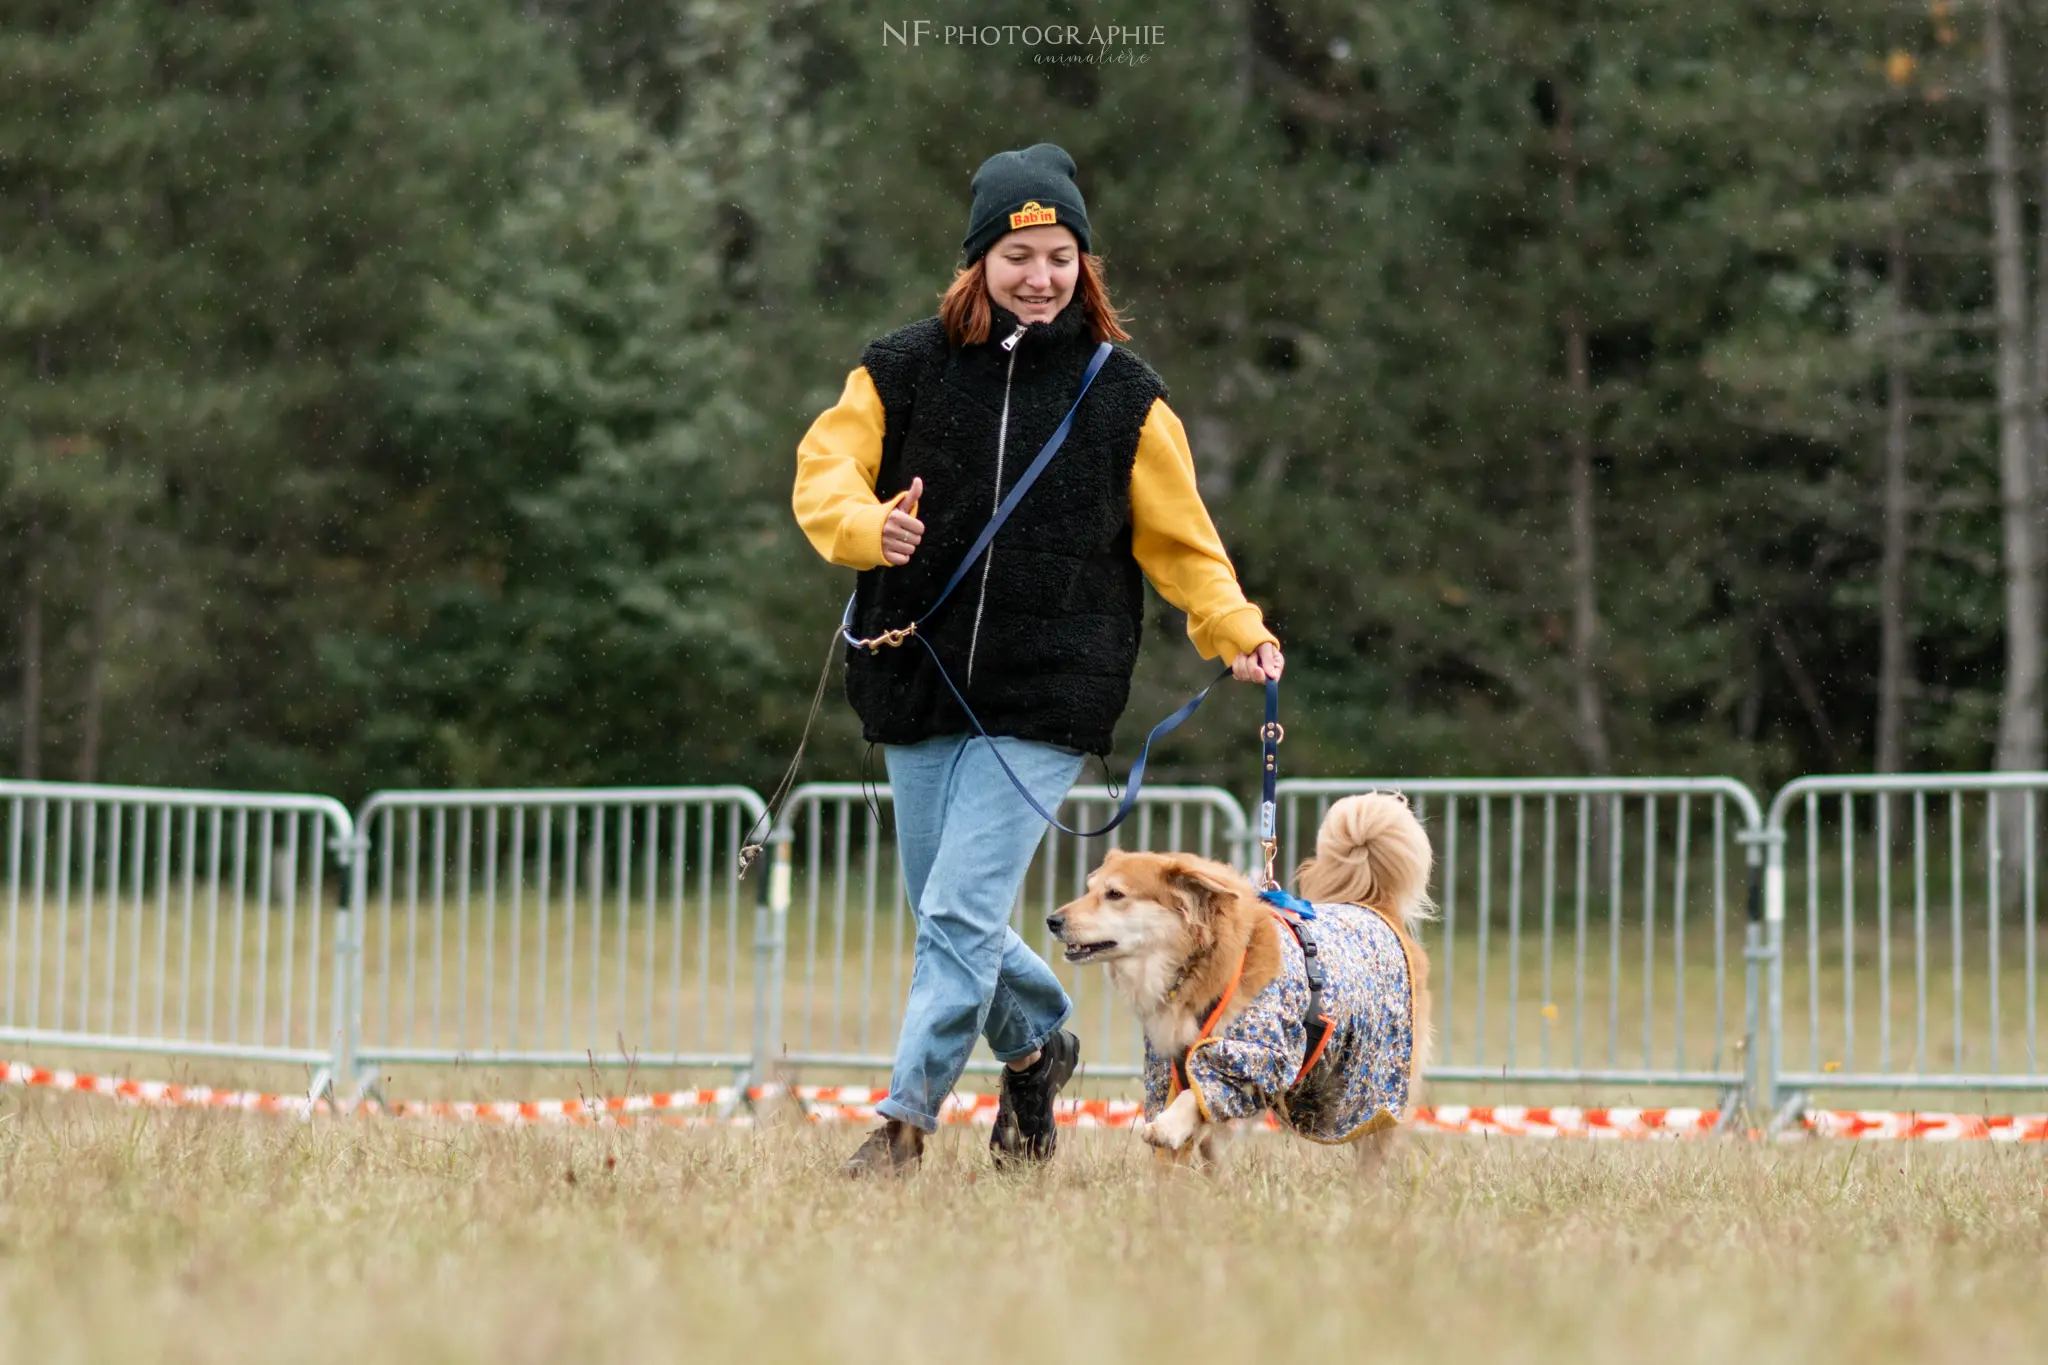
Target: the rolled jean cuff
(892, 1108)
(1042, 1038)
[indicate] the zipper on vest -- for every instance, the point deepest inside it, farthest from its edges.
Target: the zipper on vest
(988, 557)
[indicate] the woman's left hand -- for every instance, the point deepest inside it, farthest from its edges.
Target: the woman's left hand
(1259, 665)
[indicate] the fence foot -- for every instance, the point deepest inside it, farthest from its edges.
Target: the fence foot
(743, 1084)
(1788, 1113)
(771, 1101)
(1734, 1113)
(320, 1088)
(366, 1090)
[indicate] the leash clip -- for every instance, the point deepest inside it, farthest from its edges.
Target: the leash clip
(888, 639)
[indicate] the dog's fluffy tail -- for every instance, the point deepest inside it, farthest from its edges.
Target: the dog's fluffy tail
(1372, 851)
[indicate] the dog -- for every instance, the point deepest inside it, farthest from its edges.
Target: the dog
(1219, 979)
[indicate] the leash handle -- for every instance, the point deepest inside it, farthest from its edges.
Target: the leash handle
(890, 638)
(1270, 736)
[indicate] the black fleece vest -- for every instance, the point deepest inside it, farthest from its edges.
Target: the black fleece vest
(1042, 635)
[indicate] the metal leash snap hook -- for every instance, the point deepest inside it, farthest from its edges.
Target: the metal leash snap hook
(888, 639)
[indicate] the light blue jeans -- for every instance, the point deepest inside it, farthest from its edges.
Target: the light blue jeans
(966, 839)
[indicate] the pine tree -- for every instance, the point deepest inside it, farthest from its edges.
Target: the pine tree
(215, 221)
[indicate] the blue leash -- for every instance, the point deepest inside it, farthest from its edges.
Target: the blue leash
(995, 523)
(974, 552)
(1131, 789)
(1270, 735)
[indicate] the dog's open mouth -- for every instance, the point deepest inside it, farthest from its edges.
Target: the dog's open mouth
(1082, 952)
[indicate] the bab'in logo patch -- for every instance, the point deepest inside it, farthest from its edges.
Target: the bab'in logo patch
(1032, 215)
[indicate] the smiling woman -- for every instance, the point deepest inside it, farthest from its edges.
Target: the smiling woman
(1034, 273)
(897, 481)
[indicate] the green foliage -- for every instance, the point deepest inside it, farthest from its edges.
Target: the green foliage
(575, 413)
(215, 220)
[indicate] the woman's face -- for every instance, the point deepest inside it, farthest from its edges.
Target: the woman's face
(1032, 271)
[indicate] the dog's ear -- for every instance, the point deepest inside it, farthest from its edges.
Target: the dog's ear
(1199, 888)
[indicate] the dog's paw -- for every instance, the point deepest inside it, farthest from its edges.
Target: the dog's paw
(1173, 1129)
(1148, 1133)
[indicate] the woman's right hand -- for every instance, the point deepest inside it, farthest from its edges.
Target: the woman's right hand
(1261, 664)
(902, 531)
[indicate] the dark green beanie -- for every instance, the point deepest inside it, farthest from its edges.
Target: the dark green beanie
(1015, 190)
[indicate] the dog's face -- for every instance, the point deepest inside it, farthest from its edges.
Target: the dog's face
(1154, 906)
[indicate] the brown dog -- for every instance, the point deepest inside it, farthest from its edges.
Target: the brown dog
(1221, 982)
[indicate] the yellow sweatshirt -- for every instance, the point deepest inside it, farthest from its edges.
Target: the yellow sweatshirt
(1175, 542)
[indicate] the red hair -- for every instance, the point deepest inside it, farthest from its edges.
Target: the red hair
(964, 309)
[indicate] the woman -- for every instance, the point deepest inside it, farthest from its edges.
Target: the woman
(896, 480)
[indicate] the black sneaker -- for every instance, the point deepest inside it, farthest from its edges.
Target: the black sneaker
(894, 1149)
(1024, 1125)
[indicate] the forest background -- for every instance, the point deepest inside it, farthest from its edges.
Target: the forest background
(406, 394)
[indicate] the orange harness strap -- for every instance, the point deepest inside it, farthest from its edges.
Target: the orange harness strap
(1315, 1018)
(1180, 1063)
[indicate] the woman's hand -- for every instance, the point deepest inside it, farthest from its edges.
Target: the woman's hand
(902, 531)
(1259, 665)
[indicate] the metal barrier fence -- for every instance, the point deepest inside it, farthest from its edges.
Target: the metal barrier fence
(1542, 883)
(1905, 934)
(194, 923)
(553, 928)
(842, 928)
(1588, 930)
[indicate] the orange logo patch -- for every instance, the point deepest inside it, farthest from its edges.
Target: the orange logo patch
(1032, 215)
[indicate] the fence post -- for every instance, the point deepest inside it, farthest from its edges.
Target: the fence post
(771, 923)
(352, 850)
(1774, 926)
(1764, 852)
(1755, 950)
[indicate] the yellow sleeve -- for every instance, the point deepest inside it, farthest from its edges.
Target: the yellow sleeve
(836, 464)
(1177, 546)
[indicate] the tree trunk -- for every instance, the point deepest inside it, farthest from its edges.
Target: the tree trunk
(1588, 704)
(2019, 720)
(32, 650)
(2041, 341)
(32, 575)
(1213, 426)
(96, 664)
(1894, 667)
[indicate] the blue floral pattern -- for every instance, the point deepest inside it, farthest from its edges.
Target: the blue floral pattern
(1361, 1083)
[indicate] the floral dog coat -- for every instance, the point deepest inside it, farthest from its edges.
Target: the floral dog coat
(1360, 1083)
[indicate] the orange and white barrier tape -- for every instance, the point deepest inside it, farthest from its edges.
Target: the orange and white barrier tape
(856, 1104)
(1881, 1125)
(608, 1108)
(1507, 1120)
(154, 1093)
(846, 1104)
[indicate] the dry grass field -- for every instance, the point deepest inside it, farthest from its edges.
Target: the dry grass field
(133, 1235)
